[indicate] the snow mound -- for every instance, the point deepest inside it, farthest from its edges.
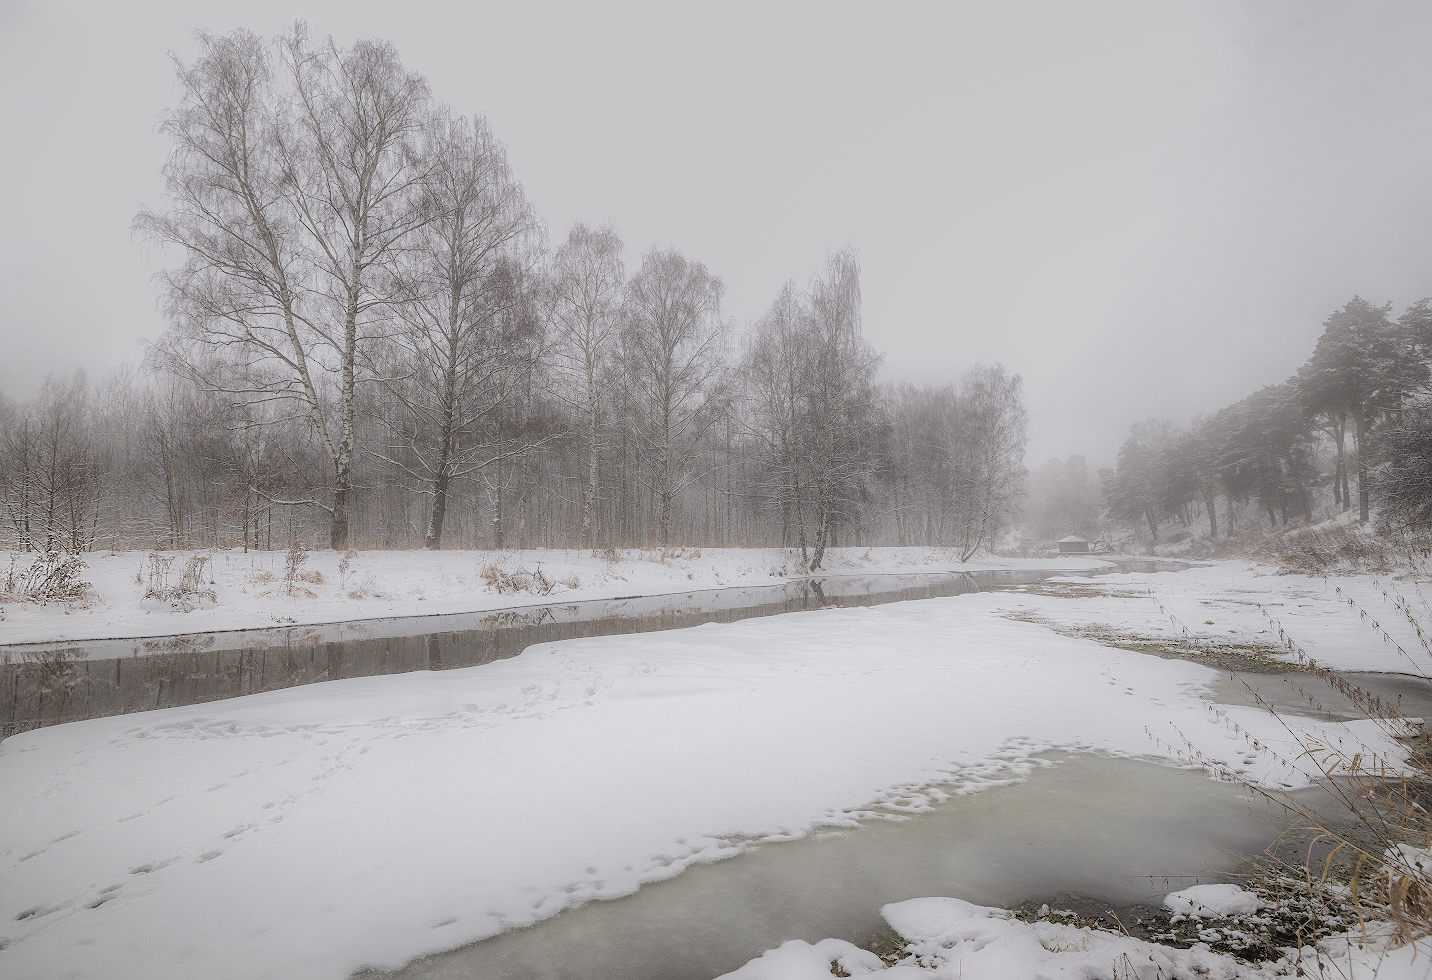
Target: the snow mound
(797, 960)
(1213, 900)
(953, 939)
(938, 920)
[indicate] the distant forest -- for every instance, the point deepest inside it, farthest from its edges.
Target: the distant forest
(372, 344)
(1350, 431)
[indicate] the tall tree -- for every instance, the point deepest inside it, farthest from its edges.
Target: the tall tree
(461, 302)
(284, 207)
(52, 469)
(1195, 468)
(585, 310)
(838, 422)
(989, 462)
(355, 175)
(1359, 367)
(1403, 479)
(674, 343)
(1138, 486)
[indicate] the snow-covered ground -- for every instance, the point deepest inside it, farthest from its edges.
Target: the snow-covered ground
(250, 591)
(954, 940)
(1243, 603)
(313, 831)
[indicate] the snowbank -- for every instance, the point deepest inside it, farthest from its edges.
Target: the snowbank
(1213, 900)
(251, 593)
(313, 831)
(797, 960)
(950, 938)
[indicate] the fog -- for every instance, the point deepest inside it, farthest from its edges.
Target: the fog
(1143, 209)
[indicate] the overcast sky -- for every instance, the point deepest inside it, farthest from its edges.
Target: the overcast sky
(1146, 209)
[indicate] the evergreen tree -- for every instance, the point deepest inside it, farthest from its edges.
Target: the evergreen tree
(1360, 366)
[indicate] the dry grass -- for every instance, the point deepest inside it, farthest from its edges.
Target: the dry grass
(192, 589)
(1336, 548)
(51, 577)
(1076, 590)
(295, 559)
(1222, 654)
(509, 580)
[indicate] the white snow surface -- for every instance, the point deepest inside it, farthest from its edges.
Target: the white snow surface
(950, 938)
(1235, 601)
(799, 960)
(1213, 900)
(250, 593)
(316, 830)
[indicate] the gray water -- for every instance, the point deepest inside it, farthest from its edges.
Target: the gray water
(1299, 693)
(1119, 831)
(47, 684)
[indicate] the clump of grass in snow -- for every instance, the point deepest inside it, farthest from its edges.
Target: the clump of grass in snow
(508, 580)
(345, 565)
(51, 577)
(295, 559)
(192, 589)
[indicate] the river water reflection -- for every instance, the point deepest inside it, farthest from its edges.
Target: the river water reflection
(46, 684)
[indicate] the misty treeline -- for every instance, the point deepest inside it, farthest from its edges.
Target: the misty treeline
(1351, 429)
(372, 343)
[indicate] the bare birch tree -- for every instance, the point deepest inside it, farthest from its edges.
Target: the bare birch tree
(674, 343)
(284, 209)
(19, 490)
(989, 474)
(839, 419)
(809, 381)
(771, 370)
(461, 304)
(585, 311)
(238, 295)
(354, 171)
(52, 469)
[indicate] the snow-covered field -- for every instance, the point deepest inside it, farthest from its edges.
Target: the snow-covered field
(250, 590)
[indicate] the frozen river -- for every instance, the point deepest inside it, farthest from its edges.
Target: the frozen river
(1089, 829)
(664, 804)
(1117, 830)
